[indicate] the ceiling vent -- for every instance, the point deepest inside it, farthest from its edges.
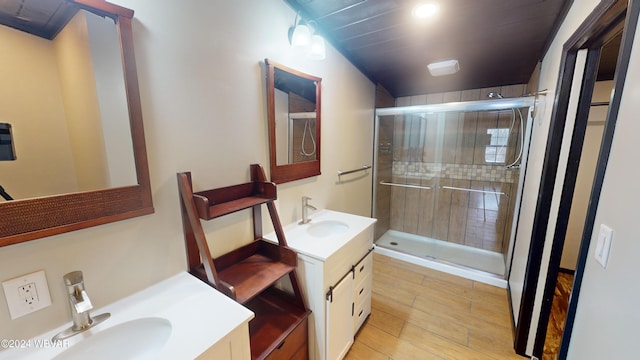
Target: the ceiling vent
(441, 68)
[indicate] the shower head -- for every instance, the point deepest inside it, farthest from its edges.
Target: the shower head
(495, 95)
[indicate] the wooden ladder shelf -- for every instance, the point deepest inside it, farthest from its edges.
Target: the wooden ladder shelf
(248, 273)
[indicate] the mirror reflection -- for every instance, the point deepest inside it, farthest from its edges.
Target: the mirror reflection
(32, 218)
(295, 118)
(65, 101)
(293, 111)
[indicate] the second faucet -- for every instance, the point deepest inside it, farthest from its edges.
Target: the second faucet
(305, 210)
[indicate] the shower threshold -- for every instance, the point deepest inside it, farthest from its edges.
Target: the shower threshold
(465, 261)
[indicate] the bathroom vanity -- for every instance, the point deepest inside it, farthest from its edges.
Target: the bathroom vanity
(177, 318)
(335, 272)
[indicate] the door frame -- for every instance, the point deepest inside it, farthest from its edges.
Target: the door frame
(589, 35)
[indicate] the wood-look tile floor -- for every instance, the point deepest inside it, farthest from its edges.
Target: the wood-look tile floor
(419, 313)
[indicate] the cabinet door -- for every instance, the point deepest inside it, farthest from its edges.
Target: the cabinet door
(233, 346)
(339, 327)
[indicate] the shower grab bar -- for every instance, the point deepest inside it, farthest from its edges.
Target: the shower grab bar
(363, 168)
(474, 190)
(405, 185)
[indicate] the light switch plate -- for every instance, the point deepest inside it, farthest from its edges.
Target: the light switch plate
(26, 294)
(605, 236)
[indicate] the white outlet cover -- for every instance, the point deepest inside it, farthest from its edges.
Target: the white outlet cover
(26, 294)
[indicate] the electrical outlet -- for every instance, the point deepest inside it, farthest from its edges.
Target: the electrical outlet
(26, 294)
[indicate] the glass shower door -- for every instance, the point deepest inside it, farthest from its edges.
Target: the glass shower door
(446, 185)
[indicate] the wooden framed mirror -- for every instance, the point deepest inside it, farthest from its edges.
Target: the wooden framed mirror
(28, 218)
(293, 106)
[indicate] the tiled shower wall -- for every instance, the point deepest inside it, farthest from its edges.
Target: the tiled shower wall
(303, 131)
(383, 165)
(445, 154)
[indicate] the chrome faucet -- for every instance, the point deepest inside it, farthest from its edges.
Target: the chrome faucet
(305, 210)
(80, 305)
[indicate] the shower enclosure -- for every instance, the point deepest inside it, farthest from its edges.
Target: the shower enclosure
(447, 181)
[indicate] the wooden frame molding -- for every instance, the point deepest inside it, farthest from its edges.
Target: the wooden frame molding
(30, 219)
(296, 171)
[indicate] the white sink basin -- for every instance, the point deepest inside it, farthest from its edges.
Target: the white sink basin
(327, 232)
(327, 228)
(135, 339)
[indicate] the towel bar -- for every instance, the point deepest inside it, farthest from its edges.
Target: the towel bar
(363, 168)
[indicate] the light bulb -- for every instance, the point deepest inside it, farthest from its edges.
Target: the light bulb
(425, 10)
(317, 48)
(301, 35)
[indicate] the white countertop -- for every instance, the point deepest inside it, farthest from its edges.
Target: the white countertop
(200, 316)
(299, 240)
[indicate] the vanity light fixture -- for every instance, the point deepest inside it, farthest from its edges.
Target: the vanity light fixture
(441, 68)
(299, 35)
(302, 35)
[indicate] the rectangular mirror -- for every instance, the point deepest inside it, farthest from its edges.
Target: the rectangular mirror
(69, 114)
(101, 47)
(293, 104)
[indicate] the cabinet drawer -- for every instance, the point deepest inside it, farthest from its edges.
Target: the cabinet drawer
(362, 290)
(301, 354)
(361, 311)
(363, 268)
(290, 347)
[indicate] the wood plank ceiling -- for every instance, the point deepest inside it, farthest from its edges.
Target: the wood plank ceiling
(42, 18)
(497, 42)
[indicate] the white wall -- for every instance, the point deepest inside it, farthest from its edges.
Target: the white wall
(204, 106)
(607, 317)
(586, 171)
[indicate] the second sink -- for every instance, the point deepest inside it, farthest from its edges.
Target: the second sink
(327, 228)
(136, 339)
(327, 232)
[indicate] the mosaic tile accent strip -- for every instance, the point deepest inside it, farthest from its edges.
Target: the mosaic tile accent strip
(497, 173)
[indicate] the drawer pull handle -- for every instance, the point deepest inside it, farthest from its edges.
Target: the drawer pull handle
(361, 268)
(281, 345)
(361, 290)
(360, 313)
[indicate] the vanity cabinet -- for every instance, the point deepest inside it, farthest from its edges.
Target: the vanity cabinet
(340, 302)
(234, 346)
(348, 304)
(337, 288)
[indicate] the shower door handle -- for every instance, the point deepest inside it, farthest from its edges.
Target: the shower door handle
(405, 185)
(475, 190)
